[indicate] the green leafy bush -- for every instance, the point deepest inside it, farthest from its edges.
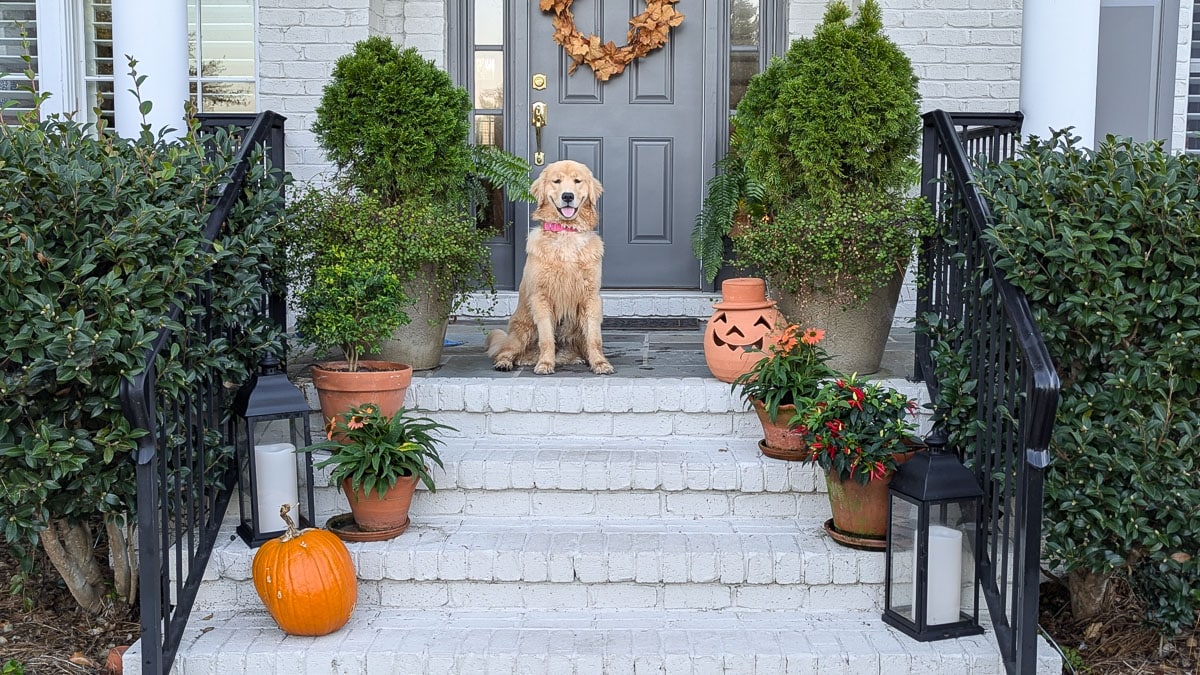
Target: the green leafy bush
(332, 229)
(1106, 245)
(845, 250)
(837, 114)
(102, 238)
(395, 125)
(374, 450)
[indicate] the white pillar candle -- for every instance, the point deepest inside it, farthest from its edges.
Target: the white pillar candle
(275, 483)
(945, 575)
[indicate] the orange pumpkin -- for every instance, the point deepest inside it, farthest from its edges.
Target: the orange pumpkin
(306, 580)
(742, 320)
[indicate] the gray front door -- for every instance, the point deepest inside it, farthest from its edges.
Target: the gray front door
(648, 134)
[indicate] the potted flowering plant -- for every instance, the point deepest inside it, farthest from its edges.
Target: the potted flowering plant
(859, 433)
(789, 376)
(378, 460)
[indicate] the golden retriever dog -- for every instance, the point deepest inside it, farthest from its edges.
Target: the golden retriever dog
(558, 315)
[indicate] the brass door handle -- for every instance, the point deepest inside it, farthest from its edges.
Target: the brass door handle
(538, 120)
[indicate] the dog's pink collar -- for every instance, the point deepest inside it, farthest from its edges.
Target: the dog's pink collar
(557, 227)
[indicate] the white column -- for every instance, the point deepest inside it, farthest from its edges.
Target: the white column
(1060, 42)
(155, 33)
(58, 65)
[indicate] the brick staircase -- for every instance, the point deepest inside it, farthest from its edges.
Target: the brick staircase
(590, 524)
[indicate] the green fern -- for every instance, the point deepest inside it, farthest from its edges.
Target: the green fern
(502, 170)
(729, 193)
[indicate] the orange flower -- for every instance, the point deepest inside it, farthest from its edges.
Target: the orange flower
(355, 422)
(329, 427)
(812, 336)
(786, 340)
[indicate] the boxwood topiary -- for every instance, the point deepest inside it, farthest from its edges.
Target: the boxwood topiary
(395, 125)
(1106, 245)
(823, 138)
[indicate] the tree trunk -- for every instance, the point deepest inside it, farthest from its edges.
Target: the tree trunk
(122, 556)
(1089, 593)
(73, 554)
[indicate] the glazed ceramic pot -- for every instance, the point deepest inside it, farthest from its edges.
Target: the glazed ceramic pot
(741, 320)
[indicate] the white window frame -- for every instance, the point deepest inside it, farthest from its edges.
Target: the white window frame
(61, 53)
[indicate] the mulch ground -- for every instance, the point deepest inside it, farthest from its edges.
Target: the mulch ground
(43, 629)
(1119, 644)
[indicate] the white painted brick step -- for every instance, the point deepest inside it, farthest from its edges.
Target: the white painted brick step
(703, 563)
(619, 477)
(614, 642)
(591, 407)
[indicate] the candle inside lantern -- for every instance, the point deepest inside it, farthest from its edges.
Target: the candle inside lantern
(275, 483)
(945, 575)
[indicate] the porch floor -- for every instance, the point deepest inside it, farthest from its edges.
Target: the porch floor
(638, 353)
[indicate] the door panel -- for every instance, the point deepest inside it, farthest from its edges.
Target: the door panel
(648, 134)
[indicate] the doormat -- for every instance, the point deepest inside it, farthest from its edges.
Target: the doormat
(651, 323)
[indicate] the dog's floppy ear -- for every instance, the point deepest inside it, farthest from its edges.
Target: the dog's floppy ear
(538, 187)
(594, 188)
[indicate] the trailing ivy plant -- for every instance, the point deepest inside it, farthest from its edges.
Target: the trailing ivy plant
(1105, 244)
(102, 238)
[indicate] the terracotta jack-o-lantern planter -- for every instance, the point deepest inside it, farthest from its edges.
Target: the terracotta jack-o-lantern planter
(743, 319)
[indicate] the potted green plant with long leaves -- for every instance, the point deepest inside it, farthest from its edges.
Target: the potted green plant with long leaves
(378, 459)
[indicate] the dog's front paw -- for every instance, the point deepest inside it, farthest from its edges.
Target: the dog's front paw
(602, 368)
(544, 368)
(502, 364)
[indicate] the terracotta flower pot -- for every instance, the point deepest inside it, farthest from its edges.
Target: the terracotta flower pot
(860, 511)
(373, 513)
(778, 440)
(383, 383)
(743, 318)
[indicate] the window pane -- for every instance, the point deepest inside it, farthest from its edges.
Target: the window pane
(227, 97)
(489, 130)
(16, 17)
(100, 95)
(98, 39)
(742, 66)
(489, 80)
(743, 30)
(489, 22)
(227, 38)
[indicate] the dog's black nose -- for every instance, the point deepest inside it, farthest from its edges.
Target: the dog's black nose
(568, 197)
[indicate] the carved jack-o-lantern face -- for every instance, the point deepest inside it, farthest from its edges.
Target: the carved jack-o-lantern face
(738, 330)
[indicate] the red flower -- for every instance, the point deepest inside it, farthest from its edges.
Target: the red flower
(835, 426)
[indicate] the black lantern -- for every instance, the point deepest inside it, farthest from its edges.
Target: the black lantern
(931, 587)
(270, 470)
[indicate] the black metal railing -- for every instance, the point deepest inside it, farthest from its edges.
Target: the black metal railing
(985, 327)
(182, 488)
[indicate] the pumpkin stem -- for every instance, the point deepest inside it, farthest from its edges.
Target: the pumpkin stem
(292, 532)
